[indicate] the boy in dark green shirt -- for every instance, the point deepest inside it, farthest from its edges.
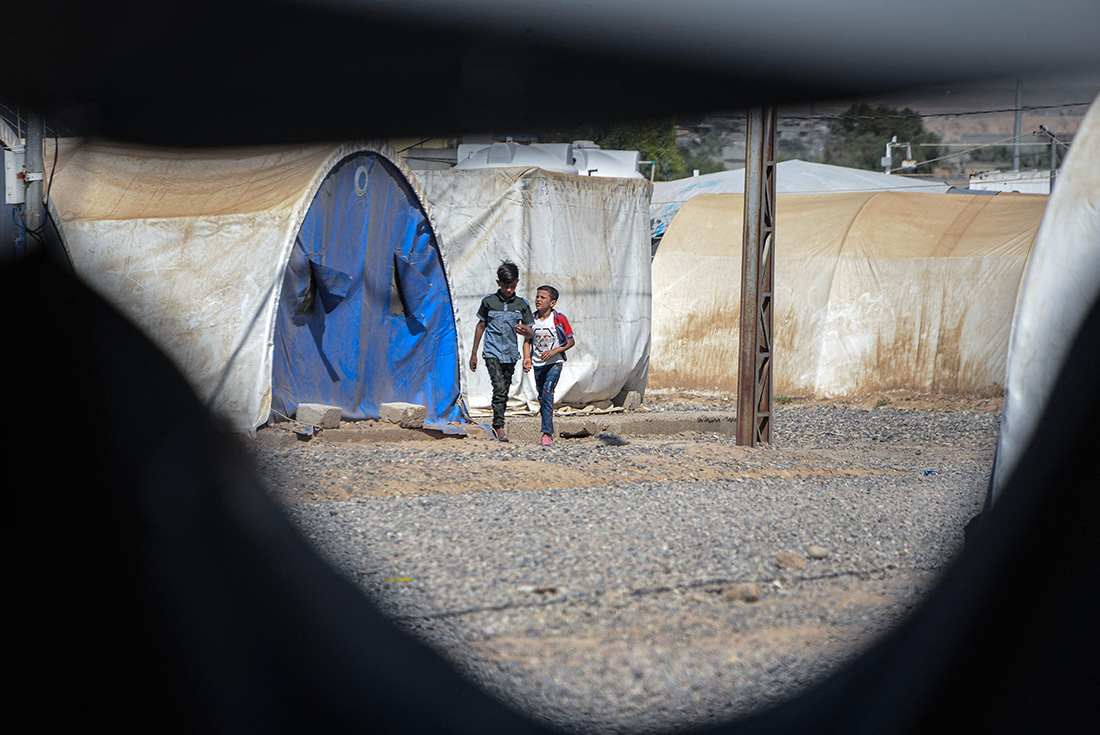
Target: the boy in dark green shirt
(501, 317)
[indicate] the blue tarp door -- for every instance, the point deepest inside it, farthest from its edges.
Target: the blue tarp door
(365, 315)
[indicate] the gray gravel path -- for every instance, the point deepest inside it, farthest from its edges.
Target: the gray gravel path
(653, 606)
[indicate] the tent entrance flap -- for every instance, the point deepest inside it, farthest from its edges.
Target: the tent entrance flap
(328, 284)
(365, 314)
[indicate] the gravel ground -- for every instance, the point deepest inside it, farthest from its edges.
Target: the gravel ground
(647, 584)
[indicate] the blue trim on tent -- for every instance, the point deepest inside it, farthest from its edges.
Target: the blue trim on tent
(365, 314)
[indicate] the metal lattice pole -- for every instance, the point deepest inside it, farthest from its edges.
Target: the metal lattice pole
(754, 378)
(33, 209)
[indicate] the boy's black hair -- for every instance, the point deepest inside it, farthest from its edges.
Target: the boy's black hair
(508, 272)
(550, 290)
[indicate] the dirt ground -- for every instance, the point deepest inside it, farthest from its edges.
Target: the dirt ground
(674, 420)
(692, 652)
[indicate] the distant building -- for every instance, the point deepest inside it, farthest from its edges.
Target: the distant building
(1024, 182)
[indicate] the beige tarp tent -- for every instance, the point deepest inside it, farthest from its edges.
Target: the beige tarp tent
(873, 292)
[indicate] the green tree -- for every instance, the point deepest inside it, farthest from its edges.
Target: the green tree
(702, 153)
(858, 139)
(787, 149)
(701, 162)
(654, 141)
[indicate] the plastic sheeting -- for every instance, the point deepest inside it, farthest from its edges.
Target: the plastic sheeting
(586, 236)
(792, 177)
(1062, 283)
(193, 247)
(365, 312)
(873, 292)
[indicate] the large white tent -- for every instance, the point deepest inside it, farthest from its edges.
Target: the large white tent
(271, 276)
(586, 236)
(1062, 284)
(873, 292)
(792, 177)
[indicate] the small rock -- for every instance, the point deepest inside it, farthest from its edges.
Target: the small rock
(745, 592)
(817, 552)
(787, 560)
(615, 598)
(630, 400)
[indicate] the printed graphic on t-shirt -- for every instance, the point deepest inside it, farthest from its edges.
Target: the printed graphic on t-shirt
(544, 339)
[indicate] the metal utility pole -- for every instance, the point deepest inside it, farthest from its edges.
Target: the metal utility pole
(33, 210)
(1053, 155)
(888, 160)
(754, 378)
(1016, 128)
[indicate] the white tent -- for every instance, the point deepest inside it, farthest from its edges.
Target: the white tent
(586, 236)
(792, 177)
(873, 292)
(268, 271)
(1062, 283)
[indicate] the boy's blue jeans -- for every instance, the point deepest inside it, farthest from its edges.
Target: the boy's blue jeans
(546, 378)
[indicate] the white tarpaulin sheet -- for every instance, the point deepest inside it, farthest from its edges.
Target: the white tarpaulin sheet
(586, 236)
(873, 292)
(1063, 280)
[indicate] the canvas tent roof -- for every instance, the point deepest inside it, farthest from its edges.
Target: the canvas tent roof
(586, 236)
(873, 292)
(193, 246)
(792, 177)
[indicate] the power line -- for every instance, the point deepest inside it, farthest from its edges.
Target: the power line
(918, 115)
(994, 144)
(982, 145)
(957, 153)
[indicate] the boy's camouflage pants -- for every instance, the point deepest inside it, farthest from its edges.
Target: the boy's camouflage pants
(500, 374)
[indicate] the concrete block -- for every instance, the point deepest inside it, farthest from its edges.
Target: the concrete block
(317, 414)
(571, 430)
(407, 415)
(630, 400)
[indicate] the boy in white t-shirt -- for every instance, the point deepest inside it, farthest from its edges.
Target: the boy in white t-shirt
(551, 337)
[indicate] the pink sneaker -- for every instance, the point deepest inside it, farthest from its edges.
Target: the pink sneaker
(547, 441)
